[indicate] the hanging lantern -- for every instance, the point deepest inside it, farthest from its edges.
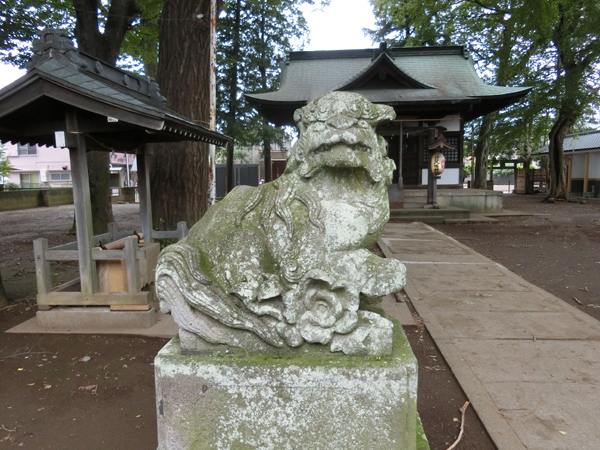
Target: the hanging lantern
(438, 163)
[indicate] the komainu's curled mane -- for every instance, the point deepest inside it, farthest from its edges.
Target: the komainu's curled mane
(286, 263)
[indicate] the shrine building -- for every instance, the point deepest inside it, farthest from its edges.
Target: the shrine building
(432, 89)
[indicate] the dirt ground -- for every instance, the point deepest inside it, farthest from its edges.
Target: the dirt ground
(97, 392)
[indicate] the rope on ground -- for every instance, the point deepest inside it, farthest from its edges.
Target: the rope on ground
(462, 426)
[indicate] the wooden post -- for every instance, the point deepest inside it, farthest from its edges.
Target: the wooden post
(144, 161)
(182, 230)
(113, 230)
(401, 144)
(586, 173)
(132, 264)
(43, 274)
(430, 175)
(83, 207)
(569, 172)
(229, 177)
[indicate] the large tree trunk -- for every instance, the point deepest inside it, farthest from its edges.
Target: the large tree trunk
(104, 46)
(180, 175)
(482, 151)
(556, 157)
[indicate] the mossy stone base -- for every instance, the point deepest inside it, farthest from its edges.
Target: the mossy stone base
(319, 401)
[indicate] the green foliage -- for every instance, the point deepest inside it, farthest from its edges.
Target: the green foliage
(20, 20)
(5, 167)
(139, 50)
(253, 37)
(11, 187)
(551, 45)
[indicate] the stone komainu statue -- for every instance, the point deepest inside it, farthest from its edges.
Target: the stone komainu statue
(286, 263)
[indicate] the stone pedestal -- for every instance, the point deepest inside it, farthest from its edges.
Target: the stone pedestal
(310, 400)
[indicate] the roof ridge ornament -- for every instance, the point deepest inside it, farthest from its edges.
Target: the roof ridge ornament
(154, 92)
(53, 41)
(383, 50)
(56, 44)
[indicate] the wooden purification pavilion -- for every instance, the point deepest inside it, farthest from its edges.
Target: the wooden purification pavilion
(70, 99)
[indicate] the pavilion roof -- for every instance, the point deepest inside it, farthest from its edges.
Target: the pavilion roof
(415, 80)
(587, 140)
(116, 109)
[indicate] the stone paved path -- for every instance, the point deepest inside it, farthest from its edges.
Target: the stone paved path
(529, 362)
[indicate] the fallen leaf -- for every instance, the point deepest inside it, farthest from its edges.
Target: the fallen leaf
(563, 432)
(85, 358)
(47, 386)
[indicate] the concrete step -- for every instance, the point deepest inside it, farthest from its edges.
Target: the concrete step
(428, 215)
(475, 218)
(424, 219)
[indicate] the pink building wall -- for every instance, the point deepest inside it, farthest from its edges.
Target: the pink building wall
(51, 167)
(47, 161)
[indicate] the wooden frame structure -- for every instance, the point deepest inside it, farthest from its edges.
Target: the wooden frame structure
(69, 99)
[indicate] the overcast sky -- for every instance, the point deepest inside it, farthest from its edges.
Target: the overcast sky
(336, 27)
(339, 26)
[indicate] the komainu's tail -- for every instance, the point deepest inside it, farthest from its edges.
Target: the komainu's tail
(200, 306)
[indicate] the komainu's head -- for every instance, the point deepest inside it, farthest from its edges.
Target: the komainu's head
(337, 130)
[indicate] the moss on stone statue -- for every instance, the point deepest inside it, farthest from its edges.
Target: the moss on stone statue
(309, 354)
(311, 399)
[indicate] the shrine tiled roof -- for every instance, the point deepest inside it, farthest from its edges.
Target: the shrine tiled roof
(60, 77)
(587, 140)
(402, 77)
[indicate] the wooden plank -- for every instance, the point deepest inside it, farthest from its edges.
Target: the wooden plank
(83, 207)
(165, 234)
(130, 307)
(144, 158)
(106, 237)
(26, 93)
(108, 255)
(69, 246)
(97, 255)
(132, 264)
(85, 126)
(182, 230)
(66, 285)
(43, 274)
(97, 299)
(62, 255)
(113, 230)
